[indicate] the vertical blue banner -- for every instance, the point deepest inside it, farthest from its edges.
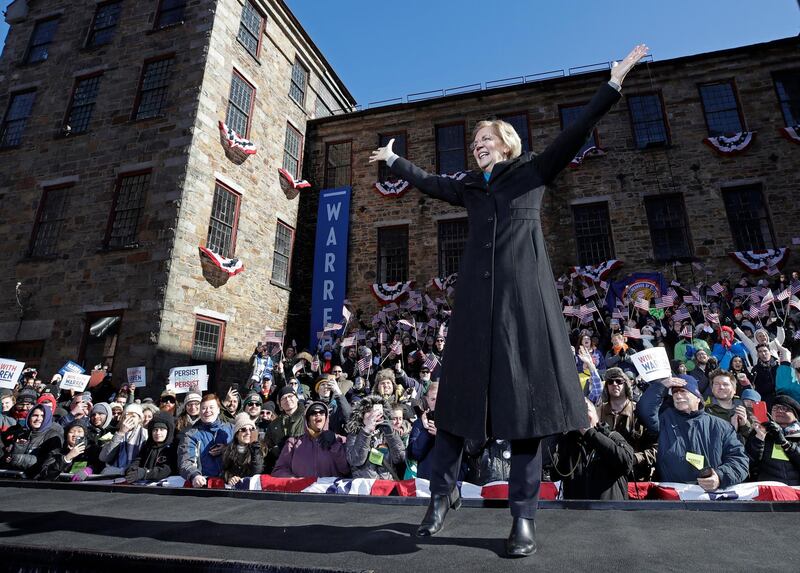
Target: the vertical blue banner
(330, 259)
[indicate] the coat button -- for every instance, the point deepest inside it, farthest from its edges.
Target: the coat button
(487, 274)
(488, 245)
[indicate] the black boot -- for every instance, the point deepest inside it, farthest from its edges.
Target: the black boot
(433, 521)
(521, 541)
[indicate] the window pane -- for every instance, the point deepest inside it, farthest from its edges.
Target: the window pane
(297, 91)
(648, 120)
(721, 109)
(291, 151)
(105, 22)
(592, 233)
(239, 105)
(569, 115)
(283, 250)
(101, 344)
(250, 28)
(787, 84)
(128, 209)
(392, 254)
(83, 100)
(170, 12)
(337, 164)
(450, 156)
(19, 110)
(399, 147)
(206, 341)
(153, 94)
(49, 223)
(669, 230)
(223, 219)
(747, 215)
(41, 39)
(452, 240)
(520, 124)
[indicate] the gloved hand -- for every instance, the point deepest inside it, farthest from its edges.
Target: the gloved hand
(386, 427)
(135, 474)
(326, 439)
(774, 431)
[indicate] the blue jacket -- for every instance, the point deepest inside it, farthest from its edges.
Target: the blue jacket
(194, 458)
(420, 445)
(697, 432)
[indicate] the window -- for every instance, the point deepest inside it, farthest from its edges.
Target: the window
(127, 209)
(787, 84)
(297, 91)
(721, 109)
(392, 254)
(747, 215)
(224, 220)
(83, 98)
(209, 336)
(292, 148)
(284, 238)
(153, 88)
(28, 351)
(42, 37)
(669, 229)
(169, 12)
(49, 221)
(251, 28)
(451, 156)
(337, 164)
(105, 22)
(240, 105)
(321, 109)
(648, 121)
(100, 336)
(452, 239)
(569, 114)
(593, 242)
(17, 114)
(520, 123)
(399, 147)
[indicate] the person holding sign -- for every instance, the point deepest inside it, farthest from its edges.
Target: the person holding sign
(774, 447)
(507, 370)
(693, 446)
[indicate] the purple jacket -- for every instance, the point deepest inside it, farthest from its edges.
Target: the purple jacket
(305, 457)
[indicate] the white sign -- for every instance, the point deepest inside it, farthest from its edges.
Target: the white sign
(137, 376)
(652, 364)
(188, 379)
(9, 372)
(74, 381)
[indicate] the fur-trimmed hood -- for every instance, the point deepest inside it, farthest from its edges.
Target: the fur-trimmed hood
(356, 422)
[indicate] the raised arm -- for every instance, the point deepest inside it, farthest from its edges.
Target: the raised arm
(444, 188)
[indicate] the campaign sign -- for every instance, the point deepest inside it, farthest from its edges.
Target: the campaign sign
(137, 376)
(652, 364)
(188, 379)
(71, 366)
(74, 381)
(9, 372)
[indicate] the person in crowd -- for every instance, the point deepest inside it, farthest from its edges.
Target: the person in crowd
(79, 408)
(116, 415)
(260, 362)
(231, 405)
(423, 436)
(693, 446)
(331, 394)
(157, 459)
(267, 389)
(401, 424)
(243, 457)
(252, 406)
(700, 372)
(302, 391)
(6, 419)
(26, 400)
(72, 458)
(764, 374)
(487, 461)
(687, 346)
(148, 411)
(725, 405)
(586, 346)
(787, 376)
(761, 336)
(319, 452)
(593, 462)
(386, 387)
(168, 402)
(619, 355)
(342, 380)
(774, 448)
(290, 423)
(414, 387)
(374, 450)
(266, 417)
(200, 449)
(127, 442)
(190, 413)
(27, 446)
(727, 347)
(589, 376)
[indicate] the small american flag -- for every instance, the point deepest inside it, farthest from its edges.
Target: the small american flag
(772, 271)
(784, 294)
(795, 287)
(431, 362)
(669, 299)
(633, 332)
(604, 285)
(717, 288)
(712, 317)
(331, 326)
(794, 302)
(273, 336)
(571, 310)
(349, 341)
(442, 331)
(691, 299)
(617, 313)
(681, 314)
(587, 310)
(381, 336)
(346, 314)
(589, 292)
(363, 364)
(406, 323)
(687, 332)
(315, 363)
(768, 298)
(754, 311)
(297, 367)
(396, 348)
(661, 303)
(642, 304)
(797, 335)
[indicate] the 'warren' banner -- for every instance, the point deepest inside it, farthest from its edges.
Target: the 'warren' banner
(9, 372)
(74, 381)
(137, 376)
(330, 259)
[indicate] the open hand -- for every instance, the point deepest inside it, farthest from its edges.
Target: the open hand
(710, 483)
(382, 153)
(672, 382)
(621, 70)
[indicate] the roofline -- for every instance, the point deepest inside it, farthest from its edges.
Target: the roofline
(547, 82)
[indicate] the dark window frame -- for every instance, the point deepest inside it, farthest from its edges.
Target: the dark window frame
(608, 234)
(235, 226)
(441, 255)
(112, 216)
(292, 84)
(3, 126)
(767, 217)
(292, 235)
(668, 133)
(595, 134)
(220, 349)
(68, 114)
(380, 277)
(734, 90)
(328, 145)
(249, 114)
(27, 59)
(159, 12)
(137, 102)
(505, 115)
(384, 174)
(262, 29)
(37, 221)
(90, 318)
(436, 128)
(687, 235)
(775, 75)
(88, 43)
(301, 142)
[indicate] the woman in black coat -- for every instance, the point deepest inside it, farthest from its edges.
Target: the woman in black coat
(508, 370)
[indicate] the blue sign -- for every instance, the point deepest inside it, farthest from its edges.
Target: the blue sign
(330, 259)
(71, 366)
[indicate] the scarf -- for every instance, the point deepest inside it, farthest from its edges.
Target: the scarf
(792, 430)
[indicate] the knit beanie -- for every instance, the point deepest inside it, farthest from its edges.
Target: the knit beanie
(242, 420)
(192, 397)
(105, 409)
(135, 409)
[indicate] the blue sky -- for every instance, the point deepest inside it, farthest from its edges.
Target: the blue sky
(383, 50)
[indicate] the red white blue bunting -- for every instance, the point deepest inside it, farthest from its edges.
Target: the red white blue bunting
(230, 266)
(443, 284)
(791, 133)
(291, 187)
(392, 188)
(235, 141)
(596, 273)
(588, 152)
(388, 292)
(733, 145)
(756, 262)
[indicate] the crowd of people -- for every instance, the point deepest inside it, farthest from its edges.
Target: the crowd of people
(362, 404)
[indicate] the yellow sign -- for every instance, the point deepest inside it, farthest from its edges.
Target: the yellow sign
(696, 460)
(778, 453)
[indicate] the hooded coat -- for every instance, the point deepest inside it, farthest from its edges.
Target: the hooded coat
(507, 366)
(384, 440)
(26, 450)
(194, 454)
(156, 461)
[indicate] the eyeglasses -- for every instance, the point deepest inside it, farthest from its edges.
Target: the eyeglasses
(248, 404)
(619, 381)
(781, 408)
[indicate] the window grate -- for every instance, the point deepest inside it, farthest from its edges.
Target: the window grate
(399, 147)
(291, 151)
(297, 90)
(337, 164)
(669, 228)
(206, 341)
(83, 99)
(42, 37)
(223, 222)
(240, 105)
(569, 115)
(105, 23)
(250, 27)
(155, 84)
(19, 110)
(170, 12)
(128, 209)
(592, 233)
(392, 254)
(284, 236)
(450, 154)
(787, 84)
(647, 118)
(748, 218)
(452, 240)
(50, 222)
(721, 109)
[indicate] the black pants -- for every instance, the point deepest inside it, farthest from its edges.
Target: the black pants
(523, 483)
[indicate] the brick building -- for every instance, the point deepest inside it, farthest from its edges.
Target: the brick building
(658, 197)
(113, 172)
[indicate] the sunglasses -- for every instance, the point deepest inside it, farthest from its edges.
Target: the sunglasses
(318, 413)
(619, 381)
(246, 430)
(247, 404)
(165, 400)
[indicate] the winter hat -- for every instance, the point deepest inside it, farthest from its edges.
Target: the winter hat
(789, 402)
(691, 385)
(269, 406)
(253, 397)
(192, 397)
(133, 409)
(327, 355)
(750, 394)
(105, 409)
(151, 407)
(615, 372)
(48, 399)
(241, 421)
(28, 395)
(284, 391)
(315, 407)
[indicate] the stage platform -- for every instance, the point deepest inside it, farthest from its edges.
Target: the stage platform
(56, 527)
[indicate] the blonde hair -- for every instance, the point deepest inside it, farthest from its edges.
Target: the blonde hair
(506, 132)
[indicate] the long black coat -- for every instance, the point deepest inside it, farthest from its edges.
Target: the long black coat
(507, 366)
